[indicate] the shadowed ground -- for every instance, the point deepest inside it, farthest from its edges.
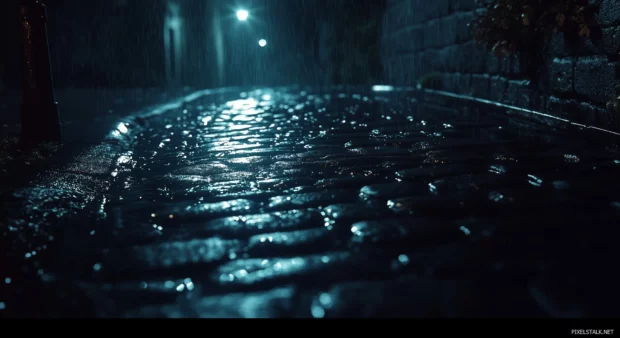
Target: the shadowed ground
(322, 204)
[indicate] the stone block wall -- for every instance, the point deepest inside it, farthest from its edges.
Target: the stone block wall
(422, 37)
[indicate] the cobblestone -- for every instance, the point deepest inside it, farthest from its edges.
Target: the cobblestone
(282, 204)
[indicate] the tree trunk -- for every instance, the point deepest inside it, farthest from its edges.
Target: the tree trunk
(39, 111)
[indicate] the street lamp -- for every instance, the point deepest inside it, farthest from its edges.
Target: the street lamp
(262, 42)
(242, 15)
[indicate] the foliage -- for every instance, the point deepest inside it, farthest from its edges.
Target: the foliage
(509, 27)
(19, 163)
(614, 104)
(430, 81)
(11, 152)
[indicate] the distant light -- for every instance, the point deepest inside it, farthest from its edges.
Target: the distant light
(262, 42)
(174, 23)
(242, 15)
(381, 88)
(122, 128)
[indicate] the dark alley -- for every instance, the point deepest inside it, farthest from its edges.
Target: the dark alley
(310, 159)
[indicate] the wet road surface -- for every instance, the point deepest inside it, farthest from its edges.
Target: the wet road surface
(297, 204)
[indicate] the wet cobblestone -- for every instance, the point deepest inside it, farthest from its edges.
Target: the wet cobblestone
(288, 204)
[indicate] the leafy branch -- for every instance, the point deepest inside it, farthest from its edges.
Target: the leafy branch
(509, 27)
(614, 105)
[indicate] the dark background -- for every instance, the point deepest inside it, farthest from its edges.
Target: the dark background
(120, 43)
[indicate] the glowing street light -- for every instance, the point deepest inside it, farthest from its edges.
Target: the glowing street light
(262, 42)
(242, 15)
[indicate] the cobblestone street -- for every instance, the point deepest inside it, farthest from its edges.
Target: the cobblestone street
(329, 204)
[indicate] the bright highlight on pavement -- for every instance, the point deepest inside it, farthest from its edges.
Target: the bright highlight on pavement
(242, 15)
(262, 42)
(382, 88)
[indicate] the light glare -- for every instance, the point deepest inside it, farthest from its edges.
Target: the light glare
(242, 15)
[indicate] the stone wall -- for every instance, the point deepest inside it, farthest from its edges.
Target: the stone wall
(422, 37)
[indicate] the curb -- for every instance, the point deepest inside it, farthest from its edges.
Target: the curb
(484, 107)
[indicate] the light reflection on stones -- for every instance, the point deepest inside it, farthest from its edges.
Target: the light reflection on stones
(259, 191)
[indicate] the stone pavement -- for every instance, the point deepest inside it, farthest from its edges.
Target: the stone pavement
(332, 204)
